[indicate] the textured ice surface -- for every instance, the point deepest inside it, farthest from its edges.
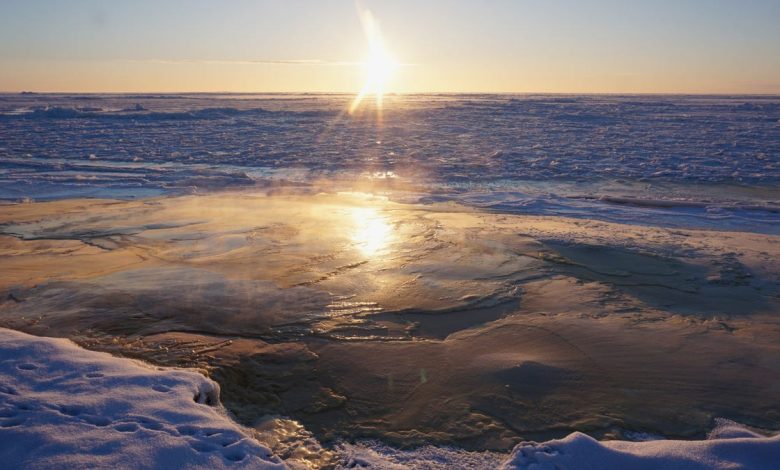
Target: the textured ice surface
(676, 160)
(507, 316)
(64, 407)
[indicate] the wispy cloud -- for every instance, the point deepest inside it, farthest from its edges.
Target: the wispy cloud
(244, 61)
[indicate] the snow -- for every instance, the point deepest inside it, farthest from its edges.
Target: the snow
(728, 447)
(65, 407)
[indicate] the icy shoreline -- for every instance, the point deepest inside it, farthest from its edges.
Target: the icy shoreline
(65, 407)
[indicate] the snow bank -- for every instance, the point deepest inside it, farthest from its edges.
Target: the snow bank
(728, 447)
(65, 407)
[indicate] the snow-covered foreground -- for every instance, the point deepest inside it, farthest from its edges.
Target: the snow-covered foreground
(65, 407)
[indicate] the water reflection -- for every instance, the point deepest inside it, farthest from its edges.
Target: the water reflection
(372, 231)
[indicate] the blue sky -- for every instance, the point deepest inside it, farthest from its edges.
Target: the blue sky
(457, 45)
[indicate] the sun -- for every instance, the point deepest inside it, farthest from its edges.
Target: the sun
(379, 67)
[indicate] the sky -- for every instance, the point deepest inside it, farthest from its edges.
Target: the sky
(513, 46)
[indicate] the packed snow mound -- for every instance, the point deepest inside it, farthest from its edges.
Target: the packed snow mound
(64, 407)
(729, 446)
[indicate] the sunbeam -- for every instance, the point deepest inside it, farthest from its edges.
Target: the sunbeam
(378, 67)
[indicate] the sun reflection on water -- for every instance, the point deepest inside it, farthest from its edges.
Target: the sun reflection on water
(372, 231)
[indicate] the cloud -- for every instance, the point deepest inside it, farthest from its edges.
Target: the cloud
(244, 61)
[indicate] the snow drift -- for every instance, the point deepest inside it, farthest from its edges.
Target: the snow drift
(729, 446)
(65, 407)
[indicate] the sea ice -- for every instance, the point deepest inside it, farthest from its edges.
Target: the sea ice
(583, 156)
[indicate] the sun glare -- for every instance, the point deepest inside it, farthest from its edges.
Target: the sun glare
(379, 66)
(372, 231)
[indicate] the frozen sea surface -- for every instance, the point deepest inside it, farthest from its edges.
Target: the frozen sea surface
(679, 161)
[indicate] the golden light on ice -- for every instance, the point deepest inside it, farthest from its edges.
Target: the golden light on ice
(379, 66)
(372, 231)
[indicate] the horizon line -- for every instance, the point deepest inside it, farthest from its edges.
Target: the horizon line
(352, 93)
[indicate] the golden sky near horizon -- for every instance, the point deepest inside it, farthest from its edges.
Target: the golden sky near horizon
(602, 46)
